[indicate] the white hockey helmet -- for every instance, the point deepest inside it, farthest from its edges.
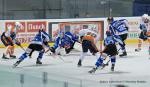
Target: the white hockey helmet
(145, 16)
(18, 25)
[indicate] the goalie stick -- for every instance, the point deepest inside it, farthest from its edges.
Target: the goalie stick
(60, 57)
(54, 55)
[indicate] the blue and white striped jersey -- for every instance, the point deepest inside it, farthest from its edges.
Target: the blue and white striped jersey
(119, 27)
(40, 38)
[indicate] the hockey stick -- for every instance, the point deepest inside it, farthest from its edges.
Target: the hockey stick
(118, 50)
(107, 63)
(18, 43)
(60, 57)
(104, 65)
(22, 47)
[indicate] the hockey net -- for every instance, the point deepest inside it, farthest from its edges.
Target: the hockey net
(96, 26)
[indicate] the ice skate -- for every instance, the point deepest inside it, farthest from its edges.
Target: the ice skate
(79, 63)
(138, 49)
(38, 62)
(12, 56)
(4, 57)
(112, 67)
(93, 70)
(124, 54)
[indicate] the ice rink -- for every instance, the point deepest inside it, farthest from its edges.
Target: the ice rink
(130, 71)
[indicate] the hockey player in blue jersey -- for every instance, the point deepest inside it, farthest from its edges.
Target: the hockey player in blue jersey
(110, 50)
(64, 40)
(119, 30)
(37, 44)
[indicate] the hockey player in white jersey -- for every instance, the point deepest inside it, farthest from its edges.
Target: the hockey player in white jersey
(119, 29)
(88, 43)
(145, 30)
(37, 44)
(84, 32)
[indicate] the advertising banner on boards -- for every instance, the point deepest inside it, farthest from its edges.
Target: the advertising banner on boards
(27, 30)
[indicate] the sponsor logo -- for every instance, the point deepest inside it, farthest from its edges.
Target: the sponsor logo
(135, 23)
(35, 26)
(15, 27)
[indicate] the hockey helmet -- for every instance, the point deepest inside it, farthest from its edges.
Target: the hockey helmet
(110, 19)
(108, 33)
(145, 18)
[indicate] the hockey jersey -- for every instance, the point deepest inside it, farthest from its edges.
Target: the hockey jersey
(41, 38)
(67, 39)
(84, 32)
(145, 26)
(109, 40)
(9, 34)
(119, 27)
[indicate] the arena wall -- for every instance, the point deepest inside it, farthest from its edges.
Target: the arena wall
(29, 27)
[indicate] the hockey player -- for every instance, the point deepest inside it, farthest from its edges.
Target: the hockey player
(64, 40)
(84, 32)
(71, 38)
(144, 27)
(8, 38)
(88, 43)
(37, 44)
(119, 29)
(110, 50)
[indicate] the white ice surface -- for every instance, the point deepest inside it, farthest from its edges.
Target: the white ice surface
(128, 71)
